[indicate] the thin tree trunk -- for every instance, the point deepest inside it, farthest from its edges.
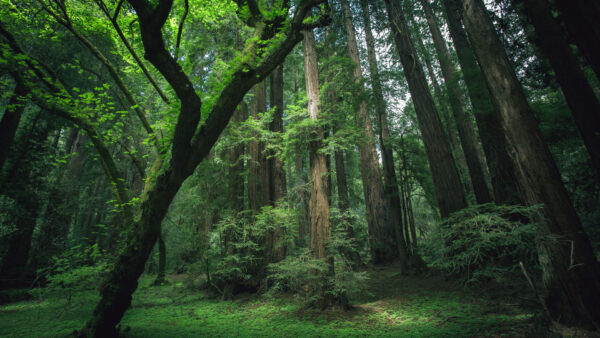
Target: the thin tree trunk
(303, 196)
(162, 260)
(469, 141)
(114, 20)
(236, 164)
(277, 183)
(449, 191)
(258, 190)
(381, 232)
(503, 173)
(571, 275)
(578, 93)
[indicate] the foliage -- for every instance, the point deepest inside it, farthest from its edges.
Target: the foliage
(80, 268)
(234, 256)
(302, 275)
(484, 242)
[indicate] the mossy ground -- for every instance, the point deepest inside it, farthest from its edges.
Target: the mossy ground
(395, 306)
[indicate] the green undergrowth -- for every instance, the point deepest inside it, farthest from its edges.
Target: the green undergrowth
(395, 306)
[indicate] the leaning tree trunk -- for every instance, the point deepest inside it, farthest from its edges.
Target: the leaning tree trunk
(571, 274)
(468, 139)
(320, 227)
(381, 232)
(448, 188)
(503, 173)
(391, 192)
(190, 143)
(445, 115)
(577, 90)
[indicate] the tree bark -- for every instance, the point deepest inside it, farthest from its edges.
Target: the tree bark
(445, 116)
(470, 144)
(449, 191)
(381, 232)
(391, 192)
(320, 227)
(577, 90)
(503, 172)
(571, 274)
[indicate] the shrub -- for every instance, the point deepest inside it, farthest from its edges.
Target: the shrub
(303, 275)
(483, 242)
(80, 268)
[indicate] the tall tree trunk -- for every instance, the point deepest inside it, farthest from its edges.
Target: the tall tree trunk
(468, 139)
(277, 183)
(258, 185)
(320, 227)
(578, 93)
(581, 18)
(449, 191)
(503, 173)
(571, 274)
(391, 192)
(236, 164)
(303, 197)
(10, 120)
(445, 115)
(381, 232)
(278, 179)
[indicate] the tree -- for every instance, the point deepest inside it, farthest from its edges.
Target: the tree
(318, 205)
(469, 141)
(190, 144)
(391, 192)
(448, 188)
(381, 232)
(571, 274)
(503, 173)
(258, 172)
(236, 162)
(578, 93)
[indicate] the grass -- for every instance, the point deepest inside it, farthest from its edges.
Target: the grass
(396, 306)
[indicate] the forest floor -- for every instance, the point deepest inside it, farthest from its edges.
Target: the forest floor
(398, 306)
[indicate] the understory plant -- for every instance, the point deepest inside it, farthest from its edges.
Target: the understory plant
(81, 268)
(484, 242)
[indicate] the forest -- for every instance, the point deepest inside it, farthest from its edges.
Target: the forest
(184, 168)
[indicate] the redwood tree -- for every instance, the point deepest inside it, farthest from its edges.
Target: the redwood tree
(571, 275)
